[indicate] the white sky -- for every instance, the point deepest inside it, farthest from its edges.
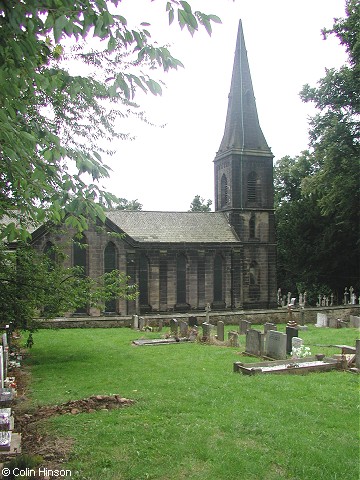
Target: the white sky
(164, 168)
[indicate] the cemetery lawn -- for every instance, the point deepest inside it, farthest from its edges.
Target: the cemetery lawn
(193, 418)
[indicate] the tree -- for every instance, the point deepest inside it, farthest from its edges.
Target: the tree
(54, 125)
(198, 204)
(318, 195)
(33, 284)
(124, 204)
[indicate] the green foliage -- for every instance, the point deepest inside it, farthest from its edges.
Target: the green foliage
(199, 204)
(317, 194)
(35, 285)
(55, 125)
(123, 204)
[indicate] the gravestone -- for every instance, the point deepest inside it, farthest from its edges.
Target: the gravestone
(141, 323)
(276, 345)
(291, 332)
(135, 322)
(321, 320)
(244, 326)
(183, 328)
(160, 325)
(1, 367)
(233, 339)
(357, 354)
(5, 419)
(173, 326)
(193, 322)
(269, 326)
(253, 342)
(297, 343)
(354, 321)
(193, 333)
(220, 331)
(206, 328)
(333, 322)
(206, 331)
(5, 354)
(5, 441)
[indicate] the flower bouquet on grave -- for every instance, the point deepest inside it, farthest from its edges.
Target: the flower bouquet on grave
(300, 352)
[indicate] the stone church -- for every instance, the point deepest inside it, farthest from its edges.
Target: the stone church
(183, 261)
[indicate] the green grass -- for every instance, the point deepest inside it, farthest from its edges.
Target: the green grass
(194, 418)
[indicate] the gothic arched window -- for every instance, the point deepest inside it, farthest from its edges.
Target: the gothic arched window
(251, 187)
(252, 226)
(49, 251)
(224, 191)
(254, 273)
(181, 279)
(218, 278)
(110, 264)
(144, 280)
(80, 260)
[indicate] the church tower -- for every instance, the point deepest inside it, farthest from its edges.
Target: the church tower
(244, 188)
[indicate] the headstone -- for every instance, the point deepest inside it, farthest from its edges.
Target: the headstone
(302, 316)
(276, 345)
(135, 322)
(244, 326)
(183, 328)
(5, 441)
(233, 338)
(1, 367)
(269, 326)
(193, 322)
(288, 298)
(208, 310)
(342, 323)
(291, 332)
(206, 328)
(220, 331)
(357, 355)
(141, 323)
(346, 296)
(6, 354)
(262, 344)
(331, 299)
(253, 342)
(297, 343)
(354, 321)
(173, 326)
(332, 323)
(321, 320)
(160, 325)
(193, 333)
(5, 419)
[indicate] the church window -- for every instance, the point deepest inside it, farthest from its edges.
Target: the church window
(251, 187)
(218, 278)
(224, 191)
(80, 260)
(254, 273)
(252, 226)
(144, 280)
(181, 279)
(110, 260)
(49, 251)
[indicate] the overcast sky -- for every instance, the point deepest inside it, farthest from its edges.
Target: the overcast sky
(164, 168)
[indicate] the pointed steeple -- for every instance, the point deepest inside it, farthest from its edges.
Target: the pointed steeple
(242, 129)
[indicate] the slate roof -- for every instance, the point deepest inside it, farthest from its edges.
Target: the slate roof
(174, 227)
(242, 128)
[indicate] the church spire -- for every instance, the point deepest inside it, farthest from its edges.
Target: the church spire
(242, 129)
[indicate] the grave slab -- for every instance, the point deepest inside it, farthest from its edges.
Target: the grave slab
(299, 366)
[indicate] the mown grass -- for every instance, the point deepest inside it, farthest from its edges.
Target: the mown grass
(193, 417)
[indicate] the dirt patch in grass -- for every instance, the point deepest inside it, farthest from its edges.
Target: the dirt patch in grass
(28, 421)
